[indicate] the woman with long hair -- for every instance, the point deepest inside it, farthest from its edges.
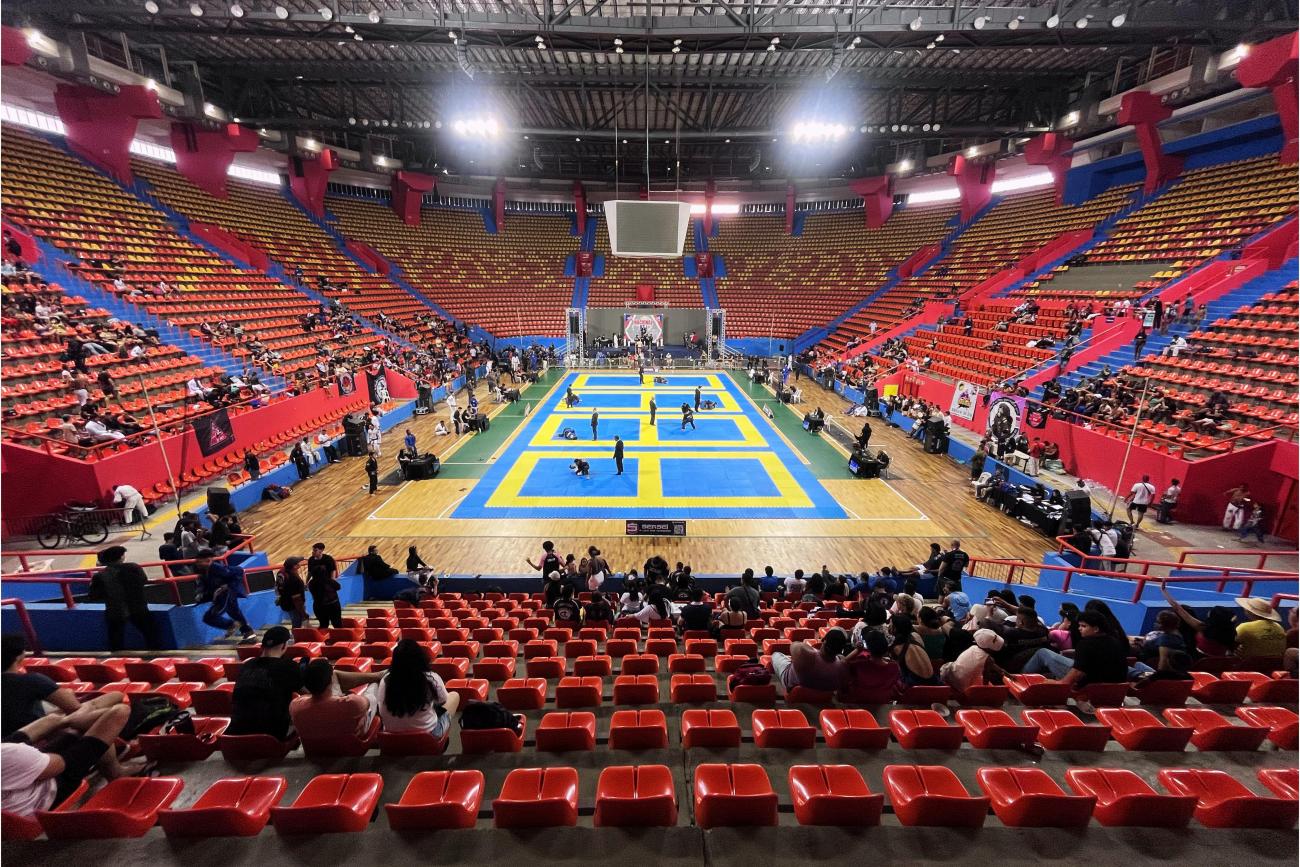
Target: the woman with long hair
(291, 591)
(412, 697)
(909, 651)
(1216, 635)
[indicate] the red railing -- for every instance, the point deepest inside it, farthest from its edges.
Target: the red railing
(33, 642)
(1278, 597)
(1261, 556)
(1015, 571)
(1227, 572)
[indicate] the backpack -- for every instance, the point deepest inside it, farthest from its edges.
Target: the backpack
(488, 715)
(148, 714)
(750, 674)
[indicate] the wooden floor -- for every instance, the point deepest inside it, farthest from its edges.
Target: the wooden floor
(927, 498)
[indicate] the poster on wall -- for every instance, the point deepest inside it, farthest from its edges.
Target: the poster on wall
(963, 401)
(378, 382)
(1005, 413)
(639, 327)
(214, 432)
(1035, 417)
(347, 384)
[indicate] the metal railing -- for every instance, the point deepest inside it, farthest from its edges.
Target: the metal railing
(1145, 566)
(33, 641)
(1260, 556)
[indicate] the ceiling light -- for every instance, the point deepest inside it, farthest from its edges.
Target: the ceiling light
(618, 50)
(451, 34)
(539, 38)
(894, 128)
(348, 29)
(358, 37)
(372, 17)
(726, 141)
(904, 165)
(236, 120)
(541, 46)
(935, 127)
(352, 121)
(931, 45)
(677, 42)
(237, 11)
(437, 124)
(941, 37)
(326, 13)
(281, 12)
(383, 123)
(915, 23)
(196, 10)
(1014, 23)
(925, 127)
(1081, 23)
(1053, 21)
(677, 49)
(1118, 20)
(365, 122)
(857, 39)
(776, 40)
(577, 139)
(151, 7)
(980, 22)
(618, 41)
(668, 141)
(970, 151)
(151, 85)
(850, 47)
(624, 141)
(863, 129)
(771, 48)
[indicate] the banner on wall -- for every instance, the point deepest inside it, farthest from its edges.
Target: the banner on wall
(1005, 413)
(643, 326)
(214, 432)
(378, 383)
(347, 384)
(963, 400)
(1035, 417)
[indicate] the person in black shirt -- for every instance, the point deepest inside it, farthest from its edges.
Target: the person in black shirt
(323, 584)
(618, 454)
(697, 615)
(1099, 657)
(374, 567)
(266, 685)
(120, 586)
(598, 610)
(291, 591)
(372, 472)
(220, 537)
(954, 562)
(413, 561)
(566, 608)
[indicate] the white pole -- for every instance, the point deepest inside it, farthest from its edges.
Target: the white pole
(1132, 434)
(171, 479)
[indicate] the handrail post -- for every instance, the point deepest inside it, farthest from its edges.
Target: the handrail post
(1137, 593)
(24, 618)
(68, 598)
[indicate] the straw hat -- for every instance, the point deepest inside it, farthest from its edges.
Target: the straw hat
(1259, 608)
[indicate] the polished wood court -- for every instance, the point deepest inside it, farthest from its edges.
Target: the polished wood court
(926, 498)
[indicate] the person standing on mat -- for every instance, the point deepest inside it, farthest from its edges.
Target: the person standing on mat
(640, 374)
(688, 416)
(697, 398)
(618, 455)
(654, 407)
(372, 472)
(595, 423)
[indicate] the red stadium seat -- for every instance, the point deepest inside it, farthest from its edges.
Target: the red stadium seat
(468, 688)
(621, 647)
(158, 670)
(579, 692)
(1035, 690)
(563, 732)
(213, 701)
(1283, 725)
(984, 695)
(329, 804)
(101, 671)
(540, 648)
(853, 728)
(763, 695)
(785, 728)
(930, 795)
(642, 796)
(438, 800)
(238, 807)
(593, 666)
(185, 747)
(833, 795)
(255, 747)
(16, 827)
(925, 695)
(1028, 797)
(126, 807)
(995, 730)
(450, 669)
(1062, 730)
(494, 669)
(686, 663)
(636, 689)
(341, 744)
(1163, 693)
(523, 693)
(1283, 782)
(1209, 689)
(545, 666)
(1212, 731)
(1104, 694)
(207, 670)
(733, 795)
(579, 647)
(713, 729)
(1125, 800)
(478, 741)
(1223, 802)
(537, 798)
(924, 730)
(638, 730)
(1137, 729)
(805, 695)
(692, 688)
(640, 663)
(412, 743)
(1263, 689)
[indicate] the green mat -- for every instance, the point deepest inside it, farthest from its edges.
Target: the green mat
(470, 461)
(824, 460)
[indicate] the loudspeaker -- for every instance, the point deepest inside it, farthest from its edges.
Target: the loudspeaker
(1078, 508)
(717, 326)
(219, 501)
(575, 325)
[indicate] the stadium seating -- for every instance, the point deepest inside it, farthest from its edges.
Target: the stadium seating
(624, 273)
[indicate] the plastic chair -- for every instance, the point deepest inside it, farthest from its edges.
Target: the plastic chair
(537, 798)
(642, 796)
(236, 807)
(1028, 797)
(126, 807)
(833, 795)
(1125, 800)
(733, 795)
(932, 796)
(438, 800)
(638, 730)
(1223, 802)
(1210, 731)
(331, 803)
(564, 731)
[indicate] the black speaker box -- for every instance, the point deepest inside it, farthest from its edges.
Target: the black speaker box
(219, 501)
(1078, 508)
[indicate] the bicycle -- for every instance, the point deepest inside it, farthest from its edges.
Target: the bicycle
(76, 522)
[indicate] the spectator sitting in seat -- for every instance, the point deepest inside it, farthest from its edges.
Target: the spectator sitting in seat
(411, 697)
(870, 676)
(1262, 634)
(696, 615)
(330, 707)
(657, 606)
(266, 685)
(26, 695)
(36, 780)
(598, 611)
(975, 665)
(373, 566)
(566, 608)
(815, 668)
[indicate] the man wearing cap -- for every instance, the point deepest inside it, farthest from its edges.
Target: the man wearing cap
(1262, 634)
(975, 663)
(266, 685)
(120, 586)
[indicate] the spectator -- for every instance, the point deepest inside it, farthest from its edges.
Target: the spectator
(769, 583)
(1262, 634)
(1235, 513)
(598, 610)
(975, 665)
(1139, 499)
(815, 668)
(909, 650)
(267, 684)
(222, 586)
(120, 586)
(1160, 644)
(323, 585)
(656, 608)
(1254, 522)
(414, 563)
(330, 707)
(747, 592)
(1168, 502)
(630, 603)
(954, 563)
(291, 591)
(1099, 657)
(870, 676)
(373, 566)
(1066, 630)
(24, 695)
(412, 697)
(35, 780)
(696, 615)
(731, 617)
(794, 584)
(566, 608)
(132, 503)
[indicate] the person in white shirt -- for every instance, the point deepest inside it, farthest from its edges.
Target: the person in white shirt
(194, 387)
(1107, 537)
(794, 584)
(132, 503)
(99, 432)
(1172, 350)
(1168, 500)
(1139, 498)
